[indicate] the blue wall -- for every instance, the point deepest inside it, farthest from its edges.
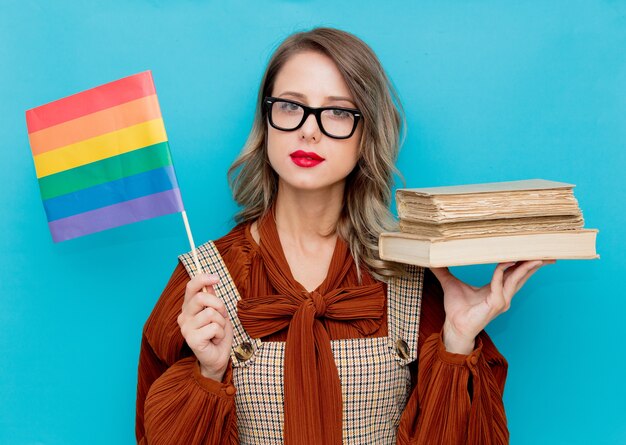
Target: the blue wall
(494, 90)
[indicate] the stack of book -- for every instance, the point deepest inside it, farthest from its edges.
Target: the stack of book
(488, 223)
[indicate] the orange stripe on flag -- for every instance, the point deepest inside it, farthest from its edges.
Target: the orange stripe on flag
(95, 124)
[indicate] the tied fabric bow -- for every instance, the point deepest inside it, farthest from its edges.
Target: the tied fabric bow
(313, 404)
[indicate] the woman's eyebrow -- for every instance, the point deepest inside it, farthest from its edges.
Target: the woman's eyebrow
(293, 94)
(303, 97)
(341, 98)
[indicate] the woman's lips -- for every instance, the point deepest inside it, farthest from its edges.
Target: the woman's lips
(306, 159)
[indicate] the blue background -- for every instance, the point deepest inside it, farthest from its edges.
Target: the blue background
(493, 91)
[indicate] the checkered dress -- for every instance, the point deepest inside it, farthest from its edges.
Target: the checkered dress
(375, 379)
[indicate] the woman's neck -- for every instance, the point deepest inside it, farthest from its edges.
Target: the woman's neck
(304, 214)
(305, 222)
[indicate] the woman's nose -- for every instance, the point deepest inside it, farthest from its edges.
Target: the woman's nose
(310, 129)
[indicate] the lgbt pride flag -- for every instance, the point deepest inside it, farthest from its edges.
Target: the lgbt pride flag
(102, 158)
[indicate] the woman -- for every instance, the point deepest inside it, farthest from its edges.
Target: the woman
(309, 338)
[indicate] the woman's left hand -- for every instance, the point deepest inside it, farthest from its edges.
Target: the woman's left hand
(469, 309)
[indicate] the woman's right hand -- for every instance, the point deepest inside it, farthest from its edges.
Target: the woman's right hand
(205, 326)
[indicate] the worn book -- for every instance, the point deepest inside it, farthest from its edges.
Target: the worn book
(457, 251)
(493, 226)
(490, 201)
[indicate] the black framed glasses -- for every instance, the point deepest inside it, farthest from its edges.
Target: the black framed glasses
(334, 122)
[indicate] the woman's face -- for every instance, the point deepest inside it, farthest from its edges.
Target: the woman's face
(307, 159)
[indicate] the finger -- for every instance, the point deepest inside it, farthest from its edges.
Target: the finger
(525, 278)
(201, 300)
(523, 269)
(509, 270)
(212, 332)
(530, 273)
(205, 317)
(199, 283)
(228, 329)
(517, 265)
(514, 281)
(498, 276)
(495, 298)
(199, 339)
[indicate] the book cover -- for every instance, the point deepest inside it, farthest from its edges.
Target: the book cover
(440, 252)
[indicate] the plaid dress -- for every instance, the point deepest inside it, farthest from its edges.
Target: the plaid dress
(374, 373)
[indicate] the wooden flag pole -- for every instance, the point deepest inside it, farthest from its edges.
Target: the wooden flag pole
(191, 243)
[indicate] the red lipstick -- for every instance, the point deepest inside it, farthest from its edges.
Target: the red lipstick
(306, 159)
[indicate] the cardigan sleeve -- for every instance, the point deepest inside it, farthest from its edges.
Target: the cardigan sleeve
(456, 399)
(175, 402)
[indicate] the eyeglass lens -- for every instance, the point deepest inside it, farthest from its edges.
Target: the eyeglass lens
(336, 122)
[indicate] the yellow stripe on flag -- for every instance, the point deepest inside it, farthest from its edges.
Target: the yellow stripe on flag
(100, 147)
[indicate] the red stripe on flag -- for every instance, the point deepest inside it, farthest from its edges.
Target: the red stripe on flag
(89, 101)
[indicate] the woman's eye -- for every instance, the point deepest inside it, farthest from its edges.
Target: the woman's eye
(340, 114)
(288, 107)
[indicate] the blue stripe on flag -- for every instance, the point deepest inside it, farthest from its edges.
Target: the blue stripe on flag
(109, 193)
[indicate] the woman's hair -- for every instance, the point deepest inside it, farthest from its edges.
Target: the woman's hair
(367, 193)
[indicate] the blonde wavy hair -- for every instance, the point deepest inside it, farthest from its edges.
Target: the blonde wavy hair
(368, 188)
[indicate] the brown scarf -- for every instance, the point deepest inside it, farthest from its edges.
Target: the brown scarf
(313, 405)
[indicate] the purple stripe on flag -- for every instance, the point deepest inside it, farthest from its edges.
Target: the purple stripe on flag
(116, 215)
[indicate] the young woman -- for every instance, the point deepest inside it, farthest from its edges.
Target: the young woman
(299, 333)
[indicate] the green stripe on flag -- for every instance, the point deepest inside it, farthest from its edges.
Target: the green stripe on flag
(109, 169)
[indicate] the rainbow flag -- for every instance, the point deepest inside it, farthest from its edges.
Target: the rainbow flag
(102, 158)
